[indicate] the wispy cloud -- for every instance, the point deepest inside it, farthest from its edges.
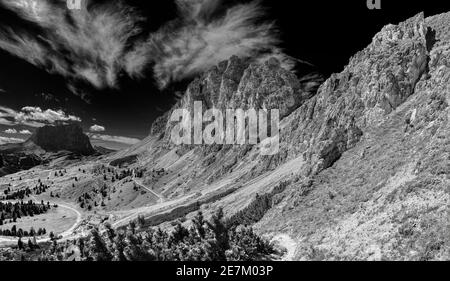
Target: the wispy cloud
(34, 117)
(97, 128)
(7, 116)
(117, 139)
(79, 44)
(98, 43)
(203, 36)
(15, 132)
(6, 140)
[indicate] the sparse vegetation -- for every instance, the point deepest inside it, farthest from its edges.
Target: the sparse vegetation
(257, 208)
(205, 240)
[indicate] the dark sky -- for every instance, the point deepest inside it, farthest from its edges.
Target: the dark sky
(327, 33)
(324, 33)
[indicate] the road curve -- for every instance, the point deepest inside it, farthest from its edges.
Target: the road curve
(63, 235)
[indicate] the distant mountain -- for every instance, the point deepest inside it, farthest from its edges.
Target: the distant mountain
(63, 137)
(45, 144)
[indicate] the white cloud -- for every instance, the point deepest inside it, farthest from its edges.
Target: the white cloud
(98, 43)
(4, 140)
(34, 117)
(199, 40)
(97, 128)
(86, 44)
(11, 131)
(118, 139)
(51, 116)
(15, 132)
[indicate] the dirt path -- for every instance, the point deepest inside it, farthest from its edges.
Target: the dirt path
(160, 197)
(68, 232)
(63, 235)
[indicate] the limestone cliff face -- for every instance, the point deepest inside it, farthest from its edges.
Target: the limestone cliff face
(376, 142)
(45, 144)
(318, 125)
(376, 81)
(237, 84)
(364, 160)
(63, 137)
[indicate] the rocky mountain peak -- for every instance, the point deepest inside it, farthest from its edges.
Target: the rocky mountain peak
(236, 83)
(63, 137)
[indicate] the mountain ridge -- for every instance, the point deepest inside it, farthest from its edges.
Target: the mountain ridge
(405, 66)
(362, 173)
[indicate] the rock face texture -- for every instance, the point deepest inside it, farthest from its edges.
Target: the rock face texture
(43, 146)
(230, 85)
(376, 81)
(63, 137)
(14, 162)
(364, 165)
(237, 84)
(376, 140)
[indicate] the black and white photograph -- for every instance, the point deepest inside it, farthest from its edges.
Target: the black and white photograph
(245, 132)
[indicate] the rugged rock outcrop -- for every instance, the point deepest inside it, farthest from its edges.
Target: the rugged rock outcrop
(364, 161)
(376, 141)
(45, 144)
(14, 162)
(376, 81)
(237, 84)
(63, 137)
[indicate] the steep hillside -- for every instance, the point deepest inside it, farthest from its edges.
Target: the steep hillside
(385, 196)
(364, 162)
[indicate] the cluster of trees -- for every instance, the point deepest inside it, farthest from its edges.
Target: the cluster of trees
(54, 195)
(22, 233)
(114, 174)
(32, 244)
(158, 173)
(96, 197)
(40, 188)
(139, 173)
(204, 240)
(60, 173)
(118, 176)
(13, 211)
(23, 193)
(16, 195)
(8, 190)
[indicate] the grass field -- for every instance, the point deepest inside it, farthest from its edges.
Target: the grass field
(56, 220)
